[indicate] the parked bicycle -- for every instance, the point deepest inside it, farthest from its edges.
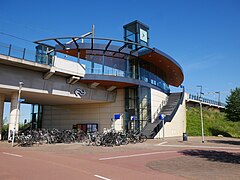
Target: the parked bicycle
(109, 137)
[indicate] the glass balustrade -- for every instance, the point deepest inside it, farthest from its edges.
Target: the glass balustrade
(95, 64)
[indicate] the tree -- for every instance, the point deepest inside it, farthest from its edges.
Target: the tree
(233, 105)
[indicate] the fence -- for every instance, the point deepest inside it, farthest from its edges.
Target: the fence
(209, 101)
(23, 53)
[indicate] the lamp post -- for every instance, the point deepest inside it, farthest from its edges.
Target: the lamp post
(201, 115)
(218, 92)
(18, 111)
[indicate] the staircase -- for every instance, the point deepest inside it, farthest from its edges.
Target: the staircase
(169, 110)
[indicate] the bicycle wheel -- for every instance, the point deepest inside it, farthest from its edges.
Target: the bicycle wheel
(98, 141)
(144, 137)
(117, 141)
(133, 140)
(86, 142)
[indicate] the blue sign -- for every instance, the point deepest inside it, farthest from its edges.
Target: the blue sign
(132, 118)
(161, 116)
(116, 116)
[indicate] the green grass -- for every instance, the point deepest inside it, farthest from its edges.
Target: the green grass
(215, 123)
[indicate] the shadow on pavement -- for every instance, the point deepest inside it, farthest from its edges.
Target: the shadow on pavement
(216, 132)
(225, 142)
(218, 156)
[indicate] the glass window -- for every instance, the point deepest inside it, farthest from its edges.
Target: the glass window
(144, 75)
(127, 67)
(92, 128)
(87, 64)
(153, 82)
(131, 38)
(114, 62)
(128, 33)
(138, 103)
(97, 68)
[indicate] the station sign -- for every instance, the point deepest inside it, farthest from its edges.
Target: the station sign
(132, 118)
(80, 92)
(162, 116)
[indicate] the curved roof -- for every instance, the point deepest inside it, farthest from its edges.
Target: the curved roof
(171, 71)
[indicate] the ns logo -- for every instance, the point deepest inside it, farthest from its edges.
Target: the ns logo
(80, 92)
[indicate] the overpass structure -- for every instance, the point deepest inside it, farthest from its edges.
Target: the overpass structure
(46, 83)
(88, 93)
(194, 100)
(105, 77)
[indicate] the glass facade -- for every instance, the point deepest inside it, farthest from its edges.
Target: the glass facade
(36, 122)
(44, 55)
(137, 107)
(129, 67)
(136, 32)
(111, 63)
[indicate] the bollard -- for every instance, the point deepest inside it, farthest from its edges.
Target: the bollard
(184, 136)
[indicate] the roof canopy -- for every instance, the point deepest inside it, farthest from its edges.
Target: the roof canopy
(172, 71)
(80, 46)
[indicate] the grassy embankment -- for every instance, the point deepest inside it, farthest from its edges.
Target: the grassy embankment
(215, 123)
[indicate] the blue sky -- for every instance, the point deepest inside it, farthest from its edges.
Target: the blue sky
(201, 35)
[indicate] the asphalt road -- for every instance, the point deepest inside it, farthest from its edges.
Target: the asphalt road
(155, 159)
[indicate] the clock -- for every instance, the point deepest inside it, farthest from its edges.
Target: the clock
(143, 35)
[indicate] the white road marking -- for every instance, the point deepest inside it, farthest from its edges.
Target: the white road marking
(10, 154)
(161, 143)
(136, 155)
(101, 177)
(207, 147)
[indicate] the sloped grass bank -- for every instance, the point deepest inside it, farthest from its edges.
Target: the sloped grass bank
(215, 123)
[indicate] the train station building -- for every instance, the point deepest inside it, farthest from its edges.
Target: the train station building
(92, 83)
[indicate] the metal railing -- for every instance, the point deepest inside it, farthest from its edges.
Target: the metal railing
(156, 114)
(112, 72)
(205, 100)
(30, 55)
(17, 52)
(23, 53)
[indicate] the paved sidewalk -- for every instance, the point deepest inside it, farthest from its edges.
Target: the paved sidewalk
(217, 158)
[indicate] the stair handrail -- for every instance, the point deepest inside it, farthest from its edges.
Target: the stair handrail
(181, 99)
(158, 111)
(163, 103)
(155, 115)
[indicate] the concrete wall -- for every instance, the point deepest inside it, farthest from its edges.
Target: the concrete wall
(68, 67)
(157, 99)
(1, 113)
(65, 116)
(38, 90)
(178, 124)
